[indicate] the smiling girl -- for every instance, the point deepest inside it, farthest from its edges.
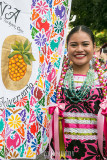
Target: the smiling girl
(82, 89)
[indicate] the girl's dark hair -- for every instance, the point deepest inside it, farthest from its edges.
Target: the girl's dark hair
(81, 28)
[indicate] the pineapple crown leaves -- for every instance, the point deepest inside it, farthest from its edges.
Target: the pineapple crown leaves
(22, 49)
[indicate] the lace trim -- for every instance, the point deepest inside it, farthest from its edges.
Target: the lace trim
(79, 130)
(94, 137)
(78, 121)
(89, 115)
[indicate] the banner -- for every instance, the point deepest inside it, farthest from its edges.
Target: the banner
(32, 44)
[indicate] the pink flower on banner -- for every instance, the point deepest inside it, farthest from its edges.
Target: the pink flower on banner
(22, 102)
(42, 7)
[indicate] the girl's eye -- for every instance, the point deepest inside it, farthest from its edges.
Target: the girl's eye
(85, 44)
(73, 45)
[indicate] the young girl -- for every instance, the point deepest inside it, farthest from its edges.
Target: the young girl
(81, 88)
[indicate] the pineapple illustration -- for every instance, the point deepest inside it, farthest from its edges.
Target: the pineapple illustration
(19, 59)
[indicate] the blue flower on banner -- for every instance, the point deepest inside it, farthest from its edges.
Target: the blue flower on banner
(57, 63)
(31, 26)
(47, 84)
(34, 144)
(49, 2)
(40, 117)
(7, 114)
(38, 109)
(40, 39)
(53, 98)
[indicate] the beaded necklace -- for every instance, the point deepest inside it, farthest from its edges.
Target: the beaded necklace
(64, 70)
(83, 91)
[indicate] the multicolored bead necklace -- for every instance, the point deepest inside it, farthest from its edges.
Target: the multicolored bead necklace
(83, 91)
(66, 67)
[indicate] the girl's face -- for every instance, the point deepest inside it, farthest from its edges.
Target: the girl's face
(80, 48)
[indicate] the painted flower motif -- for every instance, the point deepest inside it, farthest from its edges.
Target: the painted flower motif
(54, 58)
(58, 26)
(1, 141)
(1, 125)
(42, 7)
(22, 102)
(14, 121)
(37, 109)
(34, 2)
(34, 144)
(40, 39)
(77, 149)
(14, 155)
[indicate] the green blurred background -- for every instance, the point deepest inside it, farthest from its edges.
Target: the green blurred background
(93, 14)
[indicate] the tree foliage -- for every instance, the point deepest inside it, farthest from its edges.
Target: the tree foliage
(93, 14)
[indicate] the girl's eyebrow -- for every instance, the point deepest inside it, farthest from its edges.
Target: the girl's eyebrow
(77, 42)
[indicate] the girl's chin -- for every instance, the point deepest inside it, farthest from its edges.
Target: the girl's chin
(81, 63)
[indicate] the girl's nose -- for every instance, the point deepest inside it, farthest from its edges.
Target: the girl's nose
(79, 48)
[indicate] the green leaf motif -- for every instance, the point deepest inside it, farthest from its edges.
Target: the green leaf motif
(28, 47)
(25, 43)
(21, 150)
(1, 125)
(21, 47)
(27, 106)
(11, 106)
(38, 137)
(17, 43)
(2, 153)
(26, 59)
(13, 53)
(65, 3)
(30, 56)
(14, 47)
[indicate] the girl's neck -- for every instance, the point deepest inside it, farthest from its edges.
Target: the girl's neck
(80, 69)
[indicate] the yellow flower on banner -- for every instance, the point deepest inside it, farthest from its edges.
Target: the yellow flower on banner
(53, 18)
(40, 83)
(54, 58)
(30, 154)
(14, 121)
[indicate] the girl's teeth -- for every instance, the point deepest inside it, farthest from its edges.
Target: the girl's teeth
(80, 55)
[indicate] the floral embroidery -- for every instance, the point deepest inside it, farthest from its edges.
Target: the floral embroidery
(42, 7)
(40, 39)
(22, 102)
(14, 121)
(58, 26)
(34, 144)
(14, 155)
(77, 149)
